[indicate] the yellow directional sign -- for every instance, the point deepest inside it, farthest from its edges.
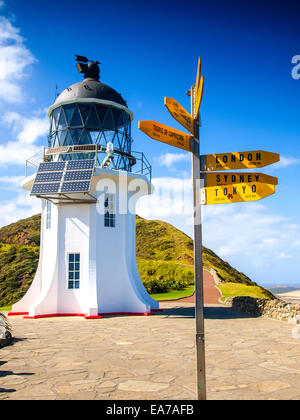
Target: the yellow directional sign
(238, 160)
(227, 178)
(198, 74)
(180, 114)
(198, 96)
(166, 134)
(236, 193)
(199, 85)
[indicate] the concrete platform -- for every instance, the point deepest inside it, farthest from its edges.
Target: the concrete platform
(131, 357)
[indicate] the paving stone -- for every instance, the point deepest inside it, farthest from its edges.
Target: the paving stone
(272, 386)
(143, 386)
(151, 357)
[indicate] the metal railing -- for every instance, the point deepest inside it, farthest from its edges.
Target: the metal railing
(138, 163)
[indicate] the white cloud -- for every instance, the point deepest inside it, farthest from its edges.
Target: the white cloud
(11, 180)
(252, 237)
(284, 256)
(18, 208)
(251, 232)
(27, 132)
(171, 198)
(286, 161)
(169, 159)
(14, 61)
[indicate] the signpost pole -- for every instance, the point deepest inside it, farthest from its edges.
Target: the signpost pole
(199, 310)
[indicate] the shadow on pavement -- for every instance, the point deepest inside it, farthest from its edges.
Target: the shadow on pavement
(5, 373)
(210, 312)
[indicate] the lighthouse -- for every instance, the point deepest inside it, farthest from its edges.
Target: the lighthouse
(88, 181)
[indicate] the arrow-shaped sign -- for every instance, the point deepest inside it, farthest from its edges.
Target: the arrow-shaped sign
(199, 86)
(180, 114)
(236, 193)
(238, 160)
(228, 178)
(166, 134)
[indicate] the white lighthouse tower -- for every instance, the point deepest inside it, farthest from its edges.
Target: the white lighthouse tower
(88, 183)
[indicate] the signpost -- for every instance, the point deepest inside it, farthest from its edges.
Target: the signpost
(216, 188)
(198, 263)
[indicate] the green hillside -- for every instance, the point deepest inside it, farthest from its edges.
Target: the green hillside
(18, 264)
(164, 255)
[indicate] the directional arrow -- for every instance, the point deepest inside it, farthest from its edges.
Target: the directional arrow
(227, 178)
(236, 193)
(238, 160)
(180, 114)
(166, 134)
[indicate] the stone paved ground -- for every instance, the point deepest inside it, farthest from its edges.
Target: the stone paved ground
(150, 357)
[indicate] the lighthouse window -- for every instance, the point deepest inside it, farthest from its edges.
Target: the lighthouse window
(48, 214)
(109, 210)
(73, 271)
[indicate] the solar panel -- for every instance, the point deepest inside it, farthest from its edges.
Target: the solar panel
(48, 177)
(81, 164)
(45, 188)
(78, 175)
(73, 176)
(89, 147)
(51, 166)
(81, 186)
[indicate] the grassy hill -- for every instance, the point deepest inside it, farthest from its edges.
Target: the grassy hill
(164, 256)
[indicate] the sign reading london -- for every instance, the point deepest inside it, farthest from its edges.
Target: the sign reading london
(236, 193)
(238, 160)
(166, 134)
(180, 114)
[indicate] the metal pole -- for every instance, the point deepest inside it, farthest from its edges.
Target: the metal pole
(199, 311)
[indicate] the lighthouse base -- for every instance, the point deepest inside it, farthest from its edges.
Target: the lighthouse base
(87, 263)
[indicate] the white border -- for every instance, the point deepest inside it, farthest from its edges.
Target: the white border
(67, 270)
(90, 100)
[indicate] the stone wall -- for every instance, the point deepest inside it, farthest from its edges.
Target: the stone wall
(276, 309)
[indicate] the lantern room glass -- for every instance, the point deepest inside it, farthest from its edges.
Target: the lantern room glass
(92, 123)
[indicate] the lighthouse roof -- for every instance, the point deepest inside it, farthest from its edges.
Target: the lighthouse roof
(90, 88)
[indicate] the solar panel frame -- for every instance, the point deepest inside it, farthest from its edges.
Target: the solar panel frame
(78, 175)
(51, 166)
(42, 177)
(64, 177)
(75, 187)
(80, 164)
(44, 188)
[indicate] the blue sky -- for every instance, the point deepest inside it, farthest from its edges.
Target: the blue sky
(148, 51)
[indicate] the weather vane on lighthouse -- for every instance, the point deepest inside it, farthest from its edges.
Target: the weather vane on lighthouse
(88, 182)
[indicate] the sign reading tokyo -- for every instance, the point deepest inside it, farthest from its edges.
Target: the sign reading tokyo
(236, 193)
(180, 114)
(238, 160)
(227, 178)
(166, 134)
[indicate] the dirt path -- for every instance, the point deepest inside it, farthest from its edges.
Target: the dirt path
(212, 294)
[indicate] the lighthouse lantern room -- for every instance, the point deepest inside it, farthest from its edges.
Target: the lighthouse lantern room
(89, 181)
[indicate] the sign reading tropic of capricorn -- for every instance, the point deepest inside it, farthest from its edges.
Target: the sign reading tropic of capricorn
(216, 188)
(166, 134)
